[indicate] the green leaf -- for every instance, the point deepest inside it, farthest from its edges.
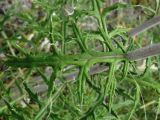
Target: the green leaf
(115, 6)
(32, 95)
(13, 111)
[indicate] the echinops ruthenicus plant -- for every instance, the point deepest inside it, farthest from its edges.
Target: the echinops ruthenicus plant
(79, 38)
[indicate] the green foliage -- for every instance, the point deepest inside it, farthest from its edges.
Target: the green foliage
(118, 93)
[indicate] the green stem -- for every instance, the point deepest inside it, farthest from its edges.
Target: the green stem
(62, 60)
